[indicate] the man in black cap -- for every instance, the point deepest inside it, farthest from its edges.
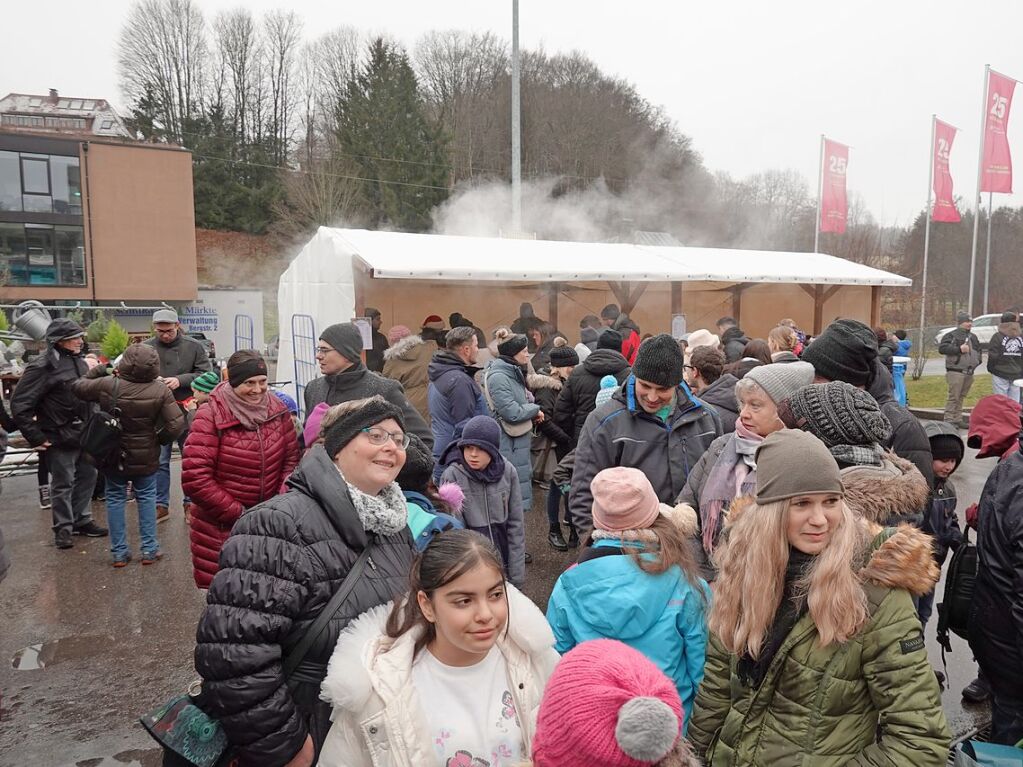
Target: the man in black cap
(345, 378)
(651, 423)
(962, 356)
(375, 356)
(1005, 357)
(51, 418)
(847, 351)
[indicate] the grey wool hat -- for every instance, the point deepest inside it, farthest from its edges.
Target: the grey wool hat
(345, 339)
(780, 380)
(792, 463)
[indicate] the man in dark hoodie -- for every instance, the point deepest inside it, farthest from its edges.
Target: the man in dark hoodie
(578, 396)
(706, 377)
(733, 340)
(1005, 357)
(52, 418)
(452, 392)
(847, 351)
(345, 378)
(526, 322)
(963, 356)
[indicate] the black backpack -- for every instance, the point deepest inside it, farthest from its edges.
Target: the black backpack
(101, 437)
(954, 611)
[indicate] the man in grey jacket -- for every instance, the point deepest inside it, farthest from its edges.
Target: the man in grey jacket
(182, 359)
(962, 356)
(652, 423)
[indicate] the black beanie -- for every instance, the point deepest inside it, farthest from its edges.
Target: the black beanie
(563, 355)
(845, 351)
(659, 361)
(415, 475)
(838, 413)
(512, 345)
(345, 339)
(371, 412)
(1008, 317)
(610, 339)
(945, 446)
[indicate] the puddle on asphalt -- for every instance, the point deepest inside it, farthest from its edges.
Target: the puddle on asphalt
(37, 656)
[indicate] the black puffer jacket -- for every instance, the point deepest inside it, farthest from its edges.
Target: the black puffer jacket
(578, 397)
(909, 440)
(146, 406)
(996, 619)
(284, 560)
(43, 405)
(546, 389)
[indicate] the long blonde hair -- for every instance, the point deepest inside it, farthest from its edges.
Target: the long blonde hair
(751, 580)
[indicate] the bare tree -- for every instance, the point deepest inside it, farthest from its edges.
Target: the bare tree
(237, 41)
(326, 194)
(334, 61)
(282, 31)
(162, 52)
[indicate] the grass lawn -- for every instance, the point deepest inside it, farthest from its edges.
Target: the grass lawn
(931, 391)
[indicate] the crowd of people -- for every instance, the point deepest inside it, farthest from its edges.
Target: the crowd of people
(760, 526)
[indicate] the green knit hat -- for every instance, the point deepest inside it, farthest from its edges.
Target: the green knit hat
(207, 382)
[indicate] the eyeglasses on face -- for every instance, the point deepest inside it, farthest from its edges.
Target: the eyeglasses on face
(323, 351)
(378, 436)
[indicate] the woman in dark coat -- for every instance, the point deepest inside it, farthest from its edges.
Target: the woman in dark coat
(240, 449)
(146, 406)
(282, 564)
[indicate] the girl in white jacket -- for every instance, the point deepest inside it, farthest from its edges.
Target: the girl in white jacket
(452, 675)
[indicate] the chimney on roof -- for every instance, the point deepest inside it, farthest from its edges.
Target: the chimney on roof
(53, 94)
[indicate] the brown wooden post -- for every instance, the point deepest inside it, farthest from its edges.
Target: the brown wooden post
(676, 298)
(818, 309)
(875, 305)
(553, 289)
(737, 304)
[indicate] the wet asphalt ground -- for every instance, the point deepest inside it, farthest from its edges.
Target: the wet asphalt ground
(85, 648)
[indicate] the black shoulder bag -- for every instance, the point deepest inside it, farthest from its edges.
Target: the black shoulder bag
(954, 611)
(101, 436)
(192, 738)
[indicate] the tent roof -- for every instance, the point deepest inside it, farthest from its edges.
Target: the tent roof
(398, 255)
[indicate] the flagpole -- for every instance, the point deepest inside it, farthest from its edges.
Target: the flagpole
(820, 193)
(980, 178)
(987, 257)
(927, 242)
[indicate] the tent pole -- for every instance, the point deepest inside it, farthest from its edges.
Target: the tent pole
(737, 305)
(553, 289)
(987, 257)
(818, 309)
(875, 305)
(820, 193)
(977, 195)
(676, 298)
(927, 248)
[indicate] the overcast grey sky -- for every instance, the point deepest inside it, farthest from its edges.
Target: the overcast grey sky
(753, 83)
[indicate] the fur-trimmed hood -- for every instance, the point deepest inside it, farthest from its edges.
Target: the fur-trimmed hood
(404, 349)
(886, 495)
(365, 660)
(902, 558)
(540, 381)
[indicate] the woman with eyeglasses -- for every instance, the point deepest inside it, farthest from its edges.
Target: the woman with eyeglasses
(282, 564)
(241, 447)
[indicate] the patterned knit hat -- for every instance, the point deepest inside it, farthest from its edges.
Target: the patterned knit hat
(206, 382)
(845, 351)
(659, 361)
(563, 355)
(840, 414)
(607, 704)
(608, 385)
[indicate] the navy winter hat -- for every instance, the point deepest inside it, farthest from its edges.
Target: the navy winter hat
(483, 432)
(610, 339)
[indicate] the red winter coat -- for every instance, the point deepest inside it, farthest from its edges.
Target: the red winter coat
(228, 469)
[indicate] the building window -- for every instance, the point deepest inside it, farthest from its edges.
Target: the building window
(66, 184)
(35, 183)
(10, 181)
(37, 254)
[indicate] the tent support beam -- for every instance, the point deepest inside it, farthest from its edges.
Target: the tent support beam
(553, 289)
(819, 296)
(676, 298)
(736, 291)
(633, 297)
(875, 305)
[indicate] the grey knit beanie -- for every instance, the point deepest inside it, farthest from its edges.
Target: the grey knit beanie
(838, 413)
(659, 361)
(791, 463)
(782, 380)
(345, 339)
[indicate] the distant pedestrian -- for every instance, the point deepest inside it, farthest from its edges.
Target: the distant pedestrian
(407, 361)
(732, 338)
(241, 448)
(149, 416)
(940, 520)
(375, 356)
(902, 343)
(782, 342)
(887, 347)
(577, 398)
(453, 393)
(182, 359)
(708, 381)
(1005, 357)
(963, 356)
(758, 350)
(51, 418)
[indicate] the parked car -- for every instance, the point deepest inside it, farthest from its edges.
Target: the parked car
(207, 344)
(984, 327)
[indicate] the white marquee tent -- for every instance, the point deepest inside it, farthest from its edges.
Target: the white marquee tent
(340, 271)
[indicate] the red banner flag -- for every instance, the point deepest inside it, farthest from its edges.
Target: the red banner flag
(834, 209)
(944, 205)
(996, 167)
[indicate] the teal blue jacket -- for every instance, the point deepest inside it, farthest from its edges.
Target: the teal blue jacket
(663, 616)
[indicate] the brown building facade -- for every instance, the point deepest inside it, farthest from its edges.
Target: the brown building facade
(95, 220)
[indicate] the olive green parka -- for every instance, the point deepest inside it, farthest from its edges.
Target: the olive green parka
(872, 700)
